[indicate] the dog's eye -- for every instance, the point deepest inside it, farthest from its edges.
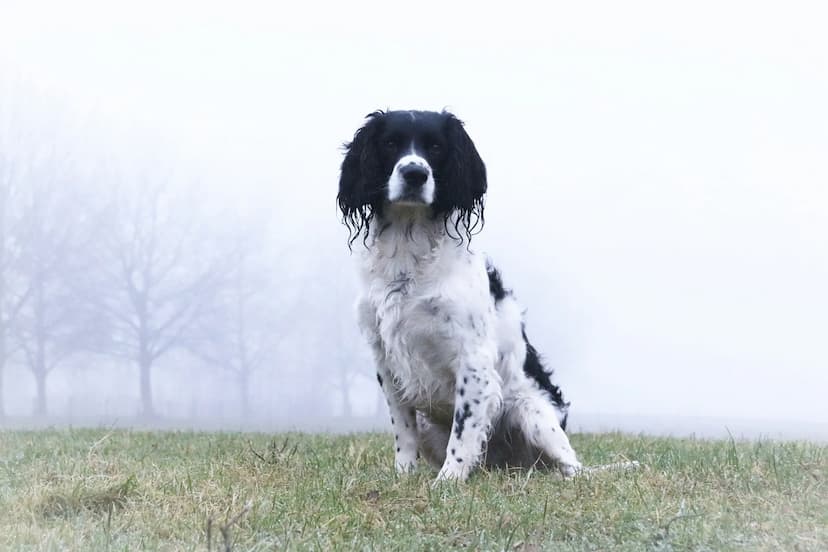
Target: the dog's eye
(390, 145)
(435, 148)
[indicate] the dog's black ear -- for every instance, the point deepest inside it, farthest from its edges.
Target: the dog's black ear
(361, 180)
(467, 171)
(464, 179)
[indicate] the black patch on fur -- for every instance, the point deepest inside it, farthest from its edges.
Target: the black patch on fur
(533, 367)
(460, 418)
(496, 284)
(461, 183)
(379, 379)
(361, 182)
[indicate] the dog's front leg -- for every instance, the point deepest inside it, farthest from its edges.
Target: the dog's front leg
(477, 401)
(403, 417)
(403, 423)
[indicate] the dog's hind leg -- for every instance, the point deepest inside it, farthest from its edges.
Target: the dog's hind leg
(535, 416)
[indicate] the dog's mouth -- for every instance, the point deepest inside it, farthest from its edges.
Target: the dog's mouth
(410, 198)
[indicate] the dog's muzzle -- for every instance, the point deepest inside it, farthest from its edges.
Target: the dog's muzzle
(411, 181)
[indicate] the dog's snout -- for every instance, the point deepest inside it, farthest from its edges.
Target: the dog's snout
(411, 182)
(413, 174)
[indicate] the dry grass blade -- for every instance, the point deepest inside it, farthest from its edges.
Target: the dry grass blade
(225, 529)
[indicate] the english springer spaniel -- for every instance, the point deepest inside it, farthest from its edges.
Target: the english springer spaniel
(463, 383)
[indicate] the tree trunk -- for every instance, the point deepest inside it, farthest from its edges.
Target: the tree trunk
(39, 361)
(144, 360)
(40, 398)
(39, 368)
(144, 367)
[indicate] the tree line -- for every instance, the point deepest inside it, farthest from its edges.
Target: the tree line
(101, 258)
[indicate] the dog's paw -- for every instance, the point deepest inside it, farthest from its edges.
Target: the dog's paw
(563, 453)
(405, 465)
(569, 470)
(404, 469)
(451, 473)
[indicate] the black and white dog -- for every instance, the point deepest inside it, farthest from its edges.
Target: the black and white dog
(463, 384)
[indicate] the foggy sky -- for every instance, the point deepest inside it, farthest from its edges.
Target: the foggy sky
(658, 179)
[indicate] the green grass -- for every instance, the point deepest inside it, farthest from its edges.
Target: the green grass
(129, 490)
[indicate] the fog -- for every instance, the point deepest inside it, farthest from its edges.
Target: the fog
(172, 255)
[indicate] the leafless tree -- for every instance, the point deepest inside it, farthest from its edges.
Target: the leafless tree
(342, 347)
(239, 333)
(15, 138)
(153, 273)
(48, 323)
(13, 292)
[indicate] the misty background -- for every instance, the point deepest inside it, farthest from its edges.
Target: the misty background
(171, 254)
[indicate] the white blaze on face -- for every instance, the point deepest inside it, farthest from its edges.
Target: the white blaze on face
(401, 192)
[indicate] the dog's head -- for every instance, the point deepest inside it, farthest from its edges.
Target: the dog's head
(415, 159)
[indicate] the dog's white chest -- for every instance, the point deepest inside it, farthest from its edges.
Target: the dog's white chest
(426, 309)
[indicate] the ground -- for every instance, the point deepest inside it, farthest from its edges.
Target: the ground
(130, 490)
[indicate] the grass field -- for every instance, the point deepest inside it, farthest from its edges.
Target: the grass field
(124, 490)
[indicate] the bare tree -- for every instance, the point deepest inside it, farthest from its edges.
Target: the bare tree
(13, 292)
(340, 346)
(49, 322)
(153, 274)
(240, 332)
(347, 346)
(15, 136)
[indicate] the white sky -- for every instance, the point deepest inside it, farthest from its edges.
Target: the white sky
(658, 173)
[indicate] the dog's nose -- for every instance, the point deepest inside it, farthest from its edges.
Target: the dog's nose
(414, 175)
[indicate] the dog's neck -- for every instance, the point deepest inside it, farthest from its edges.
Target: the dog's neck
(408, 229)
(409, 240)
